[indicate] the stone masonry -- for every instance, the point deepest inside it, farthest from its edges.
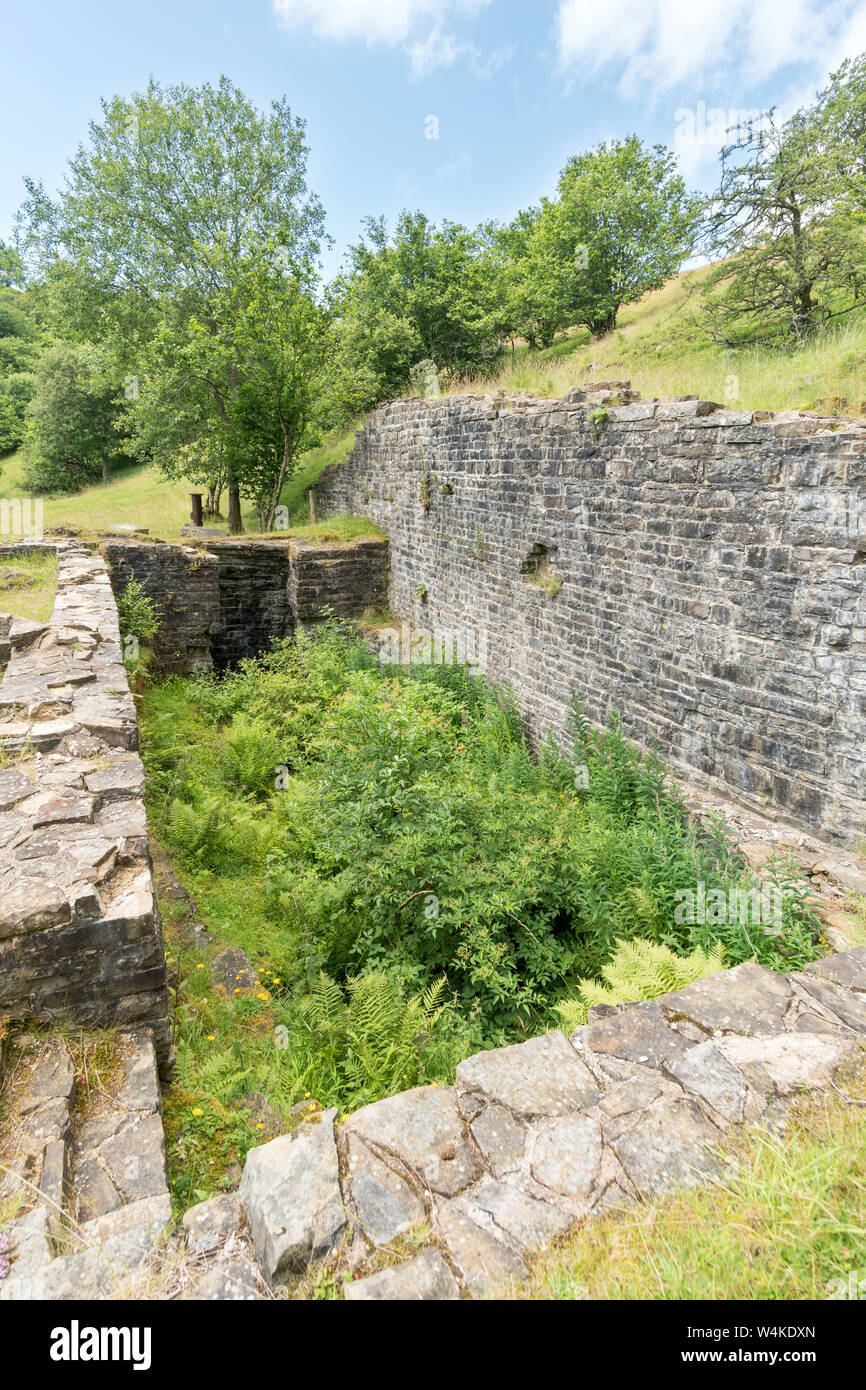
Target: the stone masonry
(548, 1133)
(710, 566)
(235, 598)
(80, 932)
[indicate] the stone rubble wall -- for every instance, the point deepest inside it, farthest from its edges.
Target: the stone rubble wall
(80, 931)
(712, 565)
(234, 599)
(548, 1133)
(92, 1177)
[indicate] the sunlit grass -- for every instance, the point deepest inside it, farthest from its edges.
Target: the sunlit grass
(662, 347)
(28, 584)
(141, 496)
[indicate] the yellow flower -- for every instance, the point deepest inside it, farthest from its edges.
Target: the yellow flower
(197, 1112)
(199, 967)
(211, 1037)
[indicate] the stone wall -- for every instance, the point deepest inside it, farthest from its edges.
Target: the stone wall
(80, 933)
(710, 565)
(235, 598)
(539, 1137)
(346, 578)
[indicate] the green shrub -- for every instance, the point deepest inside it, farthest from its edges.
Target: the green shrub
(137, 613)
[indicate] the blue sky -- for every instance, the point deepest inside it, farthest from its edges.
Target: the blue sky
(515, 86)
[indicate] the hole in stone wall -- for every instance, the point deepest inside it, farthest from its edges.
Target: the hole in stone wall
(537, 568)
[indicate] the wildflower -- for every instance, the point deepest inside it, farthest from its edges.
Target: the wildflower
(197, 1111)
(211, 1037)
(199, 966)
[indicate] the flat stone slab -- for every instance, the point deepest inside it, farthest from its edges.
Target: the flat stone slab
(427, 1277)
(15, 787)
(209, 1225)
(525, 1221)
(707, 1073)
(635, 1032)
(543, 1076)
(846, 1005)
(846, 968)
(291, 1191)
(567, 1158)
(480, 1258)
(501, 1139)
(231, 1281)
(748, 1000)
(385, 1205)
(422, 1128)
(791, 1061)
(670, 1146)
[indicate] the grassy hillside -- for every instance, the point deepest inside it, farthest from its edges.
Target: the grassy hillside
(662, 346)
(141, 496)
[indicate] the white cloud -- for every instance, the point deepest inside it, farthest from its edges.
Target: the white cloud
(734, 43)
(418, 25)
(376, 21)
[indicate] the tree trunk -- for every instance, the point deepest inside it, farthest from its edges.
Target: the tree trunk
(236, 525)
(106, 467)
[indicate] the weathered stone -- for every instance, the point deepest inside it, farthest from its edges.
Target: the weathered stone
(791, 1060)
(30, 1241)
(426, 1277)
(707, 1073)
(291, 1191)
(543, 1076)
(208, 1225)
(501, 1139)
(481, 1260)
(748, 1000)
(525, 1220)
(232, 1281)
(567, 1158)
(635, 1032)
(385, 1205)
(233, 969)
(51, 1077)
(422, 1128)
(670, 1146)
(846, 968)
(135, 1159)
(54, 1182)
(15, 786)
(845, 1005)
(95, 1191)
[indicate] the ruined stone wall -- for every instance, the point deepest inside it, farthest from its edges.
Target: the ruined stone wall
(711, 566)
(234, 599)
(345, 578)
(80, 932)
